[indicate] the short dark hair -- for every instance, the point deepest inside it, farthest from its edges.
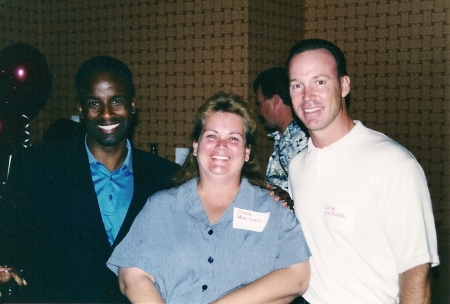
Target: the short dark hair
(62, 129)
(317, 44)
(102, 64)
(274, 81)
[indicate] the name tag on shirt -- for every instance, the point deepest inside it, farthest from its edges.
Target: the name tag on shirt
(339, 217)
(250, 220)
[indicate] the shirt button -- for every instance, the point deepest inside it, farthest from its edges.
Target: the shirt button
(204, 287)
(210, 260)
(110, 197)
(210, 231)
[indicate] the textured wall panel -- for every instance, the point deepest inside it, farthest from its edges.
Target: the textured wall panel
(398, 56)
(182, 52)
(274, 28)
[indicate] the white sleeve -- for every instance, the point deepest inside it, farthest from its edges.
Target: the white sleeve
(407, 215)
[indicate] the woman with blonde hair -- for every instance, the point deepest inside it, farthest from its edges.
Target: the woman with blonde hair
(217, 235)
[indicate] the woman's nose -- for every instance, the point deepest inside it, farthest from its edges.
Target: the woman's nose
(222, 143)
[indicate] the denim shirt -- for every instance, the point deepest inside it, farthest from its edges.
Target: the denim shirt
(194, 261)
(285, 147)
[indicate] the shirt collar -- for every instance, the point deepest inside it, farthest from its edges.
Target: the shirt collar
(191, 203)
(343, 144)
(127, 162)
(291, 128)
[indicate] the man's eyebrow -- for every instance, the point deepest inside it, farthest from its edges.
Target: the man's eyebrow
(314, 77)
(112, 97)
(321, 75)
(120, 96)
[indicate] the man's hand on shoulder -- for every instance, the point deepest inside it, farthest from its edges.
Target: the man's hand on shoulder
(280, 195)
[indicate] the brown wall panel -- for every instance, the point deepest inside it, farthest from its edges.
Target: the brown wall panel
(398, 60)
(182, 52)
(398, 56)
(274, 28)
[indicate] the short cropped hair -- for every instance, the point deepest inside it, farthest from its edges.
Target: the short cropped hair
(317, 44)
(102, 64)
(274, 81)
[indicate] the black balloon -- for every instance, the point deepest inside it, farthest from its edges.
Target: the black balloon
(25, 80)
(25, 85)
(9, 125)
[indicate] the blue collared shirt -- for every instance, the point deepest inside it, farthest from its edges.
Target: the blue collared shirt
(194, 261)
(114, 191)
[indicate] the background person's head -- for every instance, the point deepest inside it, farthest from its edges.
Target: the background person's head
(227, 103)
(273, 100)
(105, 100)
(274, 81)
(62, 129)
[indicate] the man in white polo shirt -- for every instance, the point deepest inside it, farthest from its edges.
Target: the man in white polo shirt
(362, 198)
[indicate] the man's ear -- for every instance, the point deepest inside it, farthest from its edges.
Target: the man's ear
(80, 109)
(345, 85)
(133, 107)
(275, 101)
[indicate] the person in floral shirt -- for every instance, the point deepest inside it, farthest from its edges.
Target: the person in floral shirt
(274, 108)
